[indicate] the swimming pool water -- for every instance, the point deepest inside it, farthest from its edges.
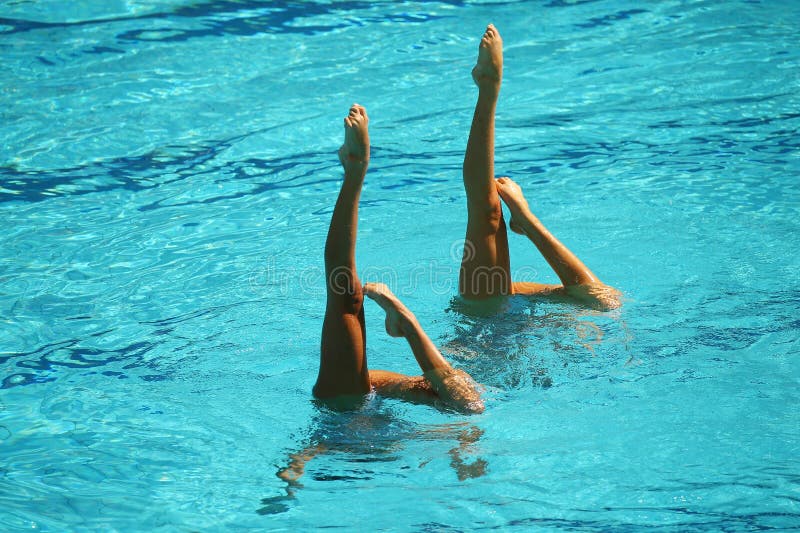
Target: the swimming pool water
(167, 174)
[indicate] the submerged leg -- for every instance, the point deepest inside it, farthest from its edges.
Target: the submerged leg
(485, 269)
(343, 360)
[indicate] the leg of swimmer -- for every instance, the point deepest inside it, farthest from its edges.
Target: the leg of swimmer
(570, 270)
(343, 364)
(292, 472)
(401, 322)
(453, 387)
(485, 266)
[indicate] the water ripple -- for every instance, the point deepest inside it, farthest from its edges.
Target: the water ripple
(235, 17)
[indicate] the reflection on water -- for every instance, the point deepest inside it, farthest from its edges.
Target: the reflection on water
(505, 343)
(371, 434)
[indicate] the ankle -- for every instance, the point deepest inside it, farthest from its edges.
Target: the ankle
(408, 322)
(530, 224)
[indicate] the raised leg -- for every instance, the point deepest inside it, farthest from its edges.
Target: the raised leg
(485, 268)
(343, 360)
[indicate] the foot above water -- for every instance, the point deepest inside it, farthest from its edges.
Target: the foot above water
(488, 70)
(512, 195)
(397, 315)
(354, 152)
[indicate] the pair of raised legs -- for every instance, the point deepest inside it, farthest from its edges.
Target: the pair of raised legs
(343, 372)
(485, 269)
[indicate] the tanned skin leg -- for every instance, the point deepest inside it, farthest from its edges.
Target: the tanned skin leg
(578, 281)
(343, 368)
(343, 361)
(455, 388)
(485, 269)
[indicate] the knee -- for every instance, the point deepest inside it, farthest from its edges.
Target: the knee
(345, 289)
(346, 303)
(353, 301)
(488, 218)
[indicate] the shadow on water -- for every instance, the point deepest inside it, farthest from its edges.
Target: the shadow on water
(368, 435)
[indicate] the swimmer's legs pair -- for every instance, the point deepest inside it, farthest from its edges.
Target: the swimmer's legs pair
(343, 360)
(485, 268)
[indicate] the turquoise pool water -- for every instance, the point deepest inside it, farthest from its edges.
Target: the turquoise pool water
(168, 170)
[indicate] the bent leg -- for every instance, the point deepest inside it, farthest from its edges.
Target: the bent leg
(570, 269)
(485, 267)
(454, 387)
(578, 281)
(343, 361)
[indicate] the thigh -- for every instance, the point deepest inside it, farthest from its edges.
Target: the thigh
(485, 268)
(343, 359)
